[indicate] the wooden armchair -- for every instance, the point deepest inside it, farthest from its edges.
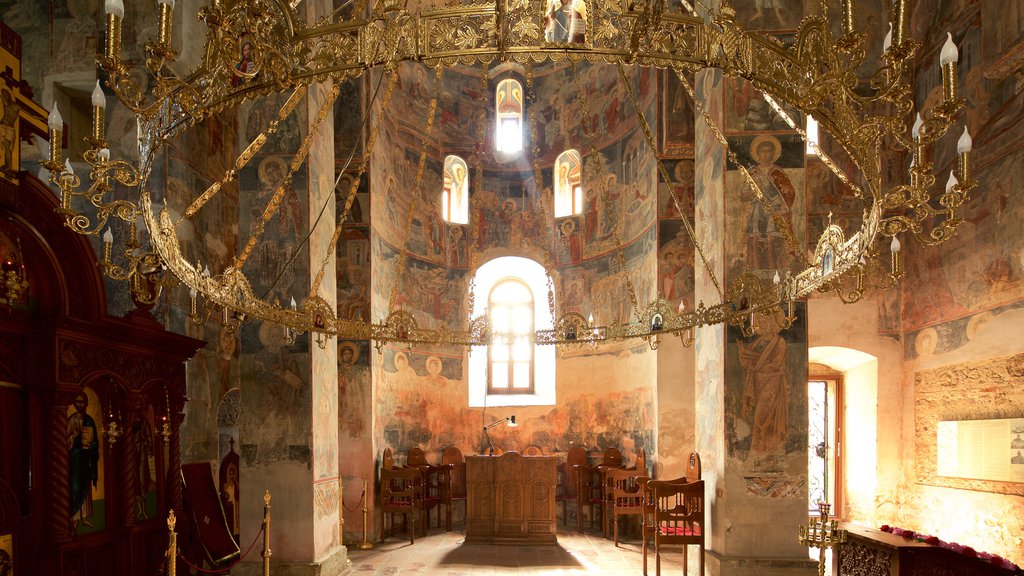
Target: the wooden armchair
(674, 516)
(567, 487)
(454, 464)
(625, 492)
(436, 486)
(611, 460)
(401, 492)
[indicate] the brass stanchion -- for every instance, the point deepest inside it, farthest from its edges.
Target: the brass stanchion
(365, 545)
(822, 534)
(266, 533)
(171, 567)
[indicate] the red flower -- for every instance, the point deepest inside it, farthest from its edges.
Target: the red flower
(886, 528)
(933, 540)
(968, 551)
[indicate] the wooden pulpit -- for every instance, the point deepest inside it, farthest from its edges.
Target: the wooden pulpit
(510, 499)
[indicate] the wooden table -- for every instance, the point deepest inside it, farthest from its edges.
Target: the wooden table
(869, 551)
(510, 499)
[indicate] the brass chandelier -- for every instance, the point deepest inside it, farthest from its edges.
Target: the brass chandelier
(816, 75)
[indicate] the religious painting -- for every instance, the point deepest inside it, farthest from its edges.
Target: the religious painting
(565, 21)
(766, 405)
(278, 259)
(7, 555)
(353, 275)
(289, 133)
(675, 263)
(358, 213)
(348, 124)
(678, 116)
(144, 434)
(283, 395)
(678, 194)
(456, 247)
(570, 241)
(10, 111)
(353, 386)
(983, 269)
(772, 222)
(746, 109)
(86, 463)
(1004, 38)
(767, 14)
(244, 68)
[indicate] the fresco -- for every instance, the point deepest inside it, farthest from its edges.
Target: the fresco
(767, 14)
(282, 395)
(678, 114)
(421, 403)
(675, 247)
(766, 406)
(982, 270)
(776, 165)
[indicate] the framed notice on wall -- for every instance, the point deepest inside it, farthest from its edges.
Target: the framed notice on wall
(981, 449)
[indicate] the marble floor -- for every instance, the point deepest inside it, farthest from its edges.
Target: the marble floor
(445, 554)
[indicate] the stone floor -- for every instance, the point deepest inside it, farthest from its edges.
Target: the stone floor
(445, 554)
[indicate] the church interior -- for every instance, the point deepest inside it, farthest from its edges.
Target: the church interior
(376, 270)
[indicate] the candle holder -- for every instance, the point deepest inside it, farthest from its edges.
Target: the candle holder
(822, 533)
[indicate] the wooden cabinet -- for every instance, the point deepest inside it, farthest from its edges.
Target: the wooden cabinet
(871, 552)
(511, 499)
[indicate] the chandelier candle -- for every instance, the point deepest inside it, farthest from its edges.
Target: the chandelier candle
(963, 151)
(99, 105)
(164, 30)
(115, 13)
(948, 59)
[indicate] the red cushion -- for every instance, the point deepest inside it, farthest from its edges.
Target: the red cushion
(679, 531)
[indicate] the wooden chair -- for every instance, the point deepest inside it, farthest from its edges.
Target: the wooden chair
(566, 489)
(435, 485)
(640, 465)
(674, 516)
(625, 491)
(611, 460)
(589, 492)
(401, 492)
(454, 464)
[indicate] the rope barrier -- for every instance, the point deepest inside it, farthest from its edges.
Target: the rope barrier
(222, 570)
(356, 507)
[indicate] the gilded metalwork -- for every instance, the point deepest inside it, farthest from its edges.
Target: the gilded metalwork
(816, 74)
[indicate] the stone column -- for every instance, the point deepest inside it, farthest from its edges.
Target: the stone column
(750, 397)
(289, 424)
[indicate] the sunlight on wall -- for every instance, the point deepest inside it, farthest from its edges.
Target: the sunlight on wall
(532, 273)
(860, 437)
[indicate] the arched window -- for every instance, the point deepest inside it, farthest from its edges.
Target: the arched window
(513, 371)
(510, 357)
(568, 184)
(508, 105)
(455, 197)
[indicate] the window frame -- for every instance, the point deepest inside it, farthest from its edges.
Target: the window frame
(518, 114)
(544, 371)
(512, 361)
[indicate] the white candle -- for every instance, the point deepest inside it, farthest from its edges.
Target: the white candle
(115, 7)
(965, 144)
(99, 100)
(949, 52)
(895, 245)
(951, 182)
(54, 120)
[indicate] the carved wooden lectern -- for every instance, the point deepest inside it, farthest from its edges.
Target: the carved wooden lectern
(511, 499)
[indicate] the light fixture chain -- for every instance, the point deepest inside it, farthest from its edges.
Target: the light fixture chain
(297, 159)
(780, 224)
(825, 158)
(247, 155)
(332, 246)
(645, 127)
